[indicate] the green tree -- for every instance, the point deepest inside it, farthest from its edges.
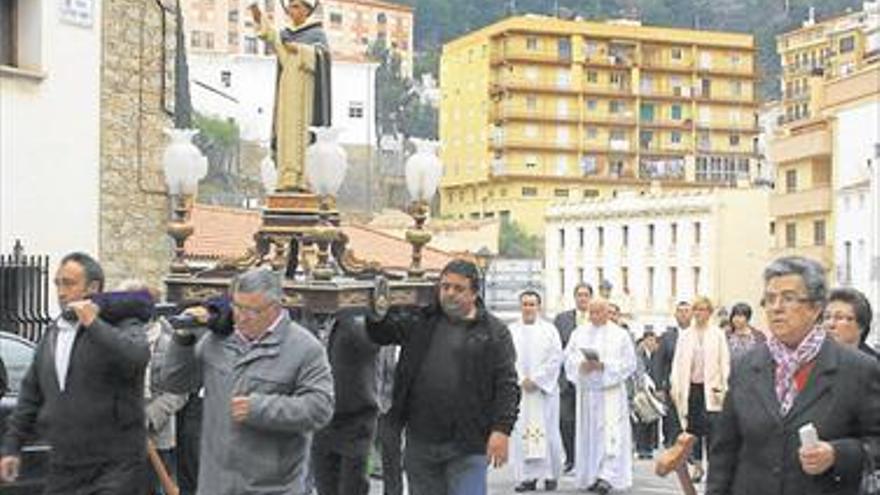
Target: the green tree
(398, 107)
(515, 242)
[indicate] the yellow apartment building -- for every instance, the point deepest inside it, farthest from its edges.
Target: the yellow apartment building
(823, 73)
(826, 50)
(226, 27)
(537, 109)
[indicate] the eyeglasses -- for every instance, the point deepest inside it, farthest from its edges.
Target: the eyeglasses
(786, 299)
(249, 310)
(839, 317)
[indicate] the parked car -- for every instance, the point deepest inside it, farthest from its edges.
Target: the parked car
(17, 354)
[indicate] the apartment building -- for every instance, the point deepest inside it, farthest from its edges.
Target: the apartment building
(536, 109)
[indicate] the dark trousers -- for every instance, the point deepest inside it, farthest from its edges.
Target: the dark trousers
(118, 477)
(441, 469)
(699, 421)
(338, 474)
(671, 425)
(646, 437)
(567, 424)
(189, 429)
(389, 434)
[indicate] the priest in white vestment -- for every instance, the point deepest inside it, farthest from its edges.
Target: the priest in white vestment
(536, 444)
(599, 358)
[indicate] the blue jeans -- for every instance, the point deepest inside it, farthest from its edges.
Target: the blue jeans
(442, 469)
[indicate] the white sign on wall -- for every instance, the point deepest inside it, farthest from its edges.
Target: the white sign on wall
(78, 12)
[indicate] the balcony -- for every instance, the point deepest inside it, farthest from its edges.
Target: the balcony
(680, 93)
(684, 124)
(514, 55)
(662, 169)
(609, 90)
(524, 114)
(741, 127)
(525, 144)
(741, 71)
(512, 84)
(805, 142)
(611, 147)
(810, 201)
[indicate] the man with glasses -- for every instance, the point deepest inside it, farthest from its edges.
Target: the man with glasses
(268, 387)
(801, 377)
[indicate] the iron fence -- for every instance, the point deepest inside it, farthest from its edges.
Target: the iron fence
(24, 293)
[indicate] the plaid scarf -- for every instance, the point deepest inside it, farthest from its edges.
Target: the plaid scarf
(789, 361)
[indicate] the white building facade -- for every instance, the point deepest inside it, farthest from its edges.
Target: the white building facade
(857, 199)
(50, 77)
(658, 249)
(242, 87)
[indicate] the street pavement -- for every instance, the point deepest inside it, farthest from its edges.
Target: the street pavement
(644, 482)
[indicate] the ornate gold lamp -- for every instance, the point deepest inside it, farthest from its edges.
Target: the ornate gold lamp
(423, 173)
(184, 166)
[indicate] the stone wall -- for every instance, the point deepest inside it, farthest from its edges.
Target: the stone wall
(134, 206)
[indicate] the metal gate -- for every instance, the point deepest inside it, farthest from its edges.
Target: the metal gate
(24, 293)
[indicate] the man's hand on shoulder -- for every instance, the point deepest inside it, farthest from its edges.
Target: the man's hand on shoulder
(9, 468)
(86, 311)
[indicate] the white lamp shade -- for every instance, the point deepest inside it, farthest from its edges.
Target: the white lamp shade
(183, 163)
(423, 171)
(326, 161)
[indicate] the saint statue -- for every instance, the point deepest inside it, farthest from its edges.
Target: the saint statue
(302, 90)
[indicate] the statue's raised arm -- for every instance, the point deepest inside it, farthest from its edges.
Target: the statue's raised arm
(302, 95)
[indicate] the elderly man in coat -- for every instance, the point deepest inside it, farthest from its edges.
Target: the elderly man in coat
(800, 377)
(268, 387)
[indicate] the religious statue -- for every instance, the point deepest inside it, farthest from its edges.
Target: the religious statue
(302, 94)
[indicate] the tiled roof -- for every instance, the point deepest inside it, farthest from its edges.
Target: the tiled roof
(221, 231)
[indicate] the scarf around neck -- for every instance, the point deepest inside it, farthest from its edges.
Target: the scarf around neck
(789, 361)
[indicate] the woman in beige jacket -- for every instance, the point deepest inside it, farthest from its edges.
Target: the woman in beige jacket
(699, 375)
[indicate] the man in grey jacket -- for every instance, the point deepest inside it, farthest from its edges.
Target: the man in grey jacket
(268, 387)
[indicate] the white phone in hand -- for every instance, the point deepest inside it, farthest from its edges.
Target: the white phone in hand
(809, 435)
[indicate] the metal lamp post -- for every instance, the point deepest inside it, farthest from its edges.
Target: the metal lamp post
(184, 165)
(423, 173)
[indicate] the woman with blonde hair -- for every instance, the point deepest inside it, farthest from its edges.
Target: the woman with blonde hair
(698, 381)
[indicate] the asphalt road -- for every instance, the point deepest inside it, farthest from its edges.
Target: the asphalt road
(645, 482)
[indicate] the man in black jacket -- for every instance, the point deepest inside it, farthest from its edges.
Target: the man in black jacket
(86, 385)
(565, 323)
(661, 364)
(800, 378)
(455, 386)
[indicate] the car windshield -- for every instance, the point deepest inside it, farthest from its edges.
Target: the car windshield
(17, 356)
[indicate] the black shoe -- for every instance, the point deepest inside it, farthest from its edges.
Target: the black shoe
(603, 487)
(526, 486)
(550, 485)
(593, 487)
(569, 467)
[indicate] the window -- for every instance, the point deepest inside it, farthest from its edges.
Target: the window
(600, 235)
(531, 43)
(675, 112)
(615, 106)
(356, 109)
(819, 233)
(847, 262)
(616, 78)
(651, 231)
(588, 165)
(736, 88)
(790, 181)
(624, 235)
(591, 193)
(624, 279)
(697, 233)
(734, 139)
(790, 235)
(847, 44)
(562, 238)
(651, 283)
(673, 281)
(531, 103)
(250, 45)
(209, 40)
(564, 48)
(592, 133)
(233, 15)
(529, 192)
(675, 137)
(226, 78)
(381, 18)
(696, 280)
(581, 237)
(562, 280)
(336, 18)
(600, 275)
(676, 53)
(673, 234)
(592, 76)
(592, 105)
(772, 229)
(195, 39)
(560, 193)
(504, 215)
(232, 38)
